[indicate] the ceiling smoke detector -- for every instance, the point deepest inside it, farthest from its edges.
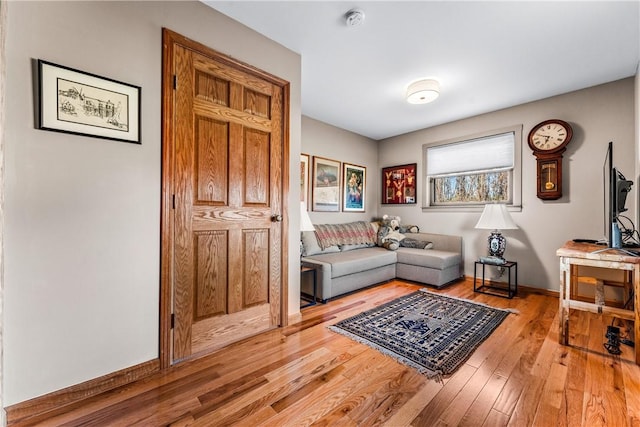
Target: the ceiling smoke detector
(354, 18)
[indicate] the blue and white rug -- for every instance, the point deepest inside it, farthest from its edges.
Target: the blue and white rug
(433, 333)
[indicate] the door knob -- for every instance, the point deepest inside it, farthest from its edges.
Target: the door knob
(276, 218)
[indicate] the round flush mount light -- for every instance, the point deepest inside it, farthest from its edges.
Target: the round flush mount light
(423, 91)
(354, 18)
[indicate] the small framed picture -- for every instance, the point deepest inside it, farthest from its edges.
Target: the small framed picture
(304, 179)
(354, 186)
(326, 185)
(81, 103)
(399, 184)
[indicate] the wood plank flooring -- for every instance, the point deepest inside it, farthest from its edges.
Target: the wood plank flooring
(305, 375)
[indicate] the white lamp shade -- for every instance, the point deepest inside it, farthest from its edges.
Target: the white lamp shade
(305, 221)
(423, 91)
(495, 216)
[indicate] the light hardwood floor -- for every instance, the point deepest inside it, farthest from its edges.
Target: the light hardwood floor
(306, 375)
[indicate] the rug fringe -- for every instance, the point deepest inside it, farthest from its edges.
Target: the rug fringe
(508, 310)
(430, 374)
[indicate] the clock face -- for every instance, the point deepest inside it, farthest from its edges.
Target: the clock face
(550, 135)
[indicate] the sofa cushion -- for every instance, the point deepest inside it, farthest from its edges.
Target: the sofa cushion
(408, 242)
(431, 258)
(352, 233)
(310, 245)
(345, 248)
(351, 262)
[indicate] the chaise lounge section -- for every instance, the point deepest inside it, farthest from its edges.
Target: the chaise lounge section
(348, 267)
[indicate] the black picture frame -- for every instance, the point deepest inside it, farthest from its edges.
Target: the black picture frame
(81, 103)
(326, 185)
(354, 188)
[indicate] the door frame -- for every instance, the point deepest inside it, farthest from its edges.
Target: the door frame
(169, 39)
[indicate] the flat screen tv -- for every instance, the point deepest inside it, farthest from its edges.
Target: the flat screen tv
(617, 187)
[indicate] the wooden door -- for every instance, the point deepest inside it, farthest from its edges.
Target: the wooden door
(225, 228)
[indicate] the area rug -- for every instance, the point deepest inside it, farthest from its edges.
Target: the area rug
(433, 333)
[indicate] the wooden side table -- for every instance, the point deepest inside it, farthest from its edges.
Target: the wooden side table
(492, 288)
(306, 268)
(573, 255)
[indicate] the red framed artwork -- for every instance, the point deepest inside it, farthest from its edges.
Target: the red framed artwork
(399, 184)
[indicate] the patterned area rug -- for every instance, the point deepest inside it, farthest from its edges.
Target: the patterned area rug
(431, 332)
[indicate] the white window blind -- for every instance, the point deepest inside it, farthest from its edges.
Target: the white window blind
(485, 154)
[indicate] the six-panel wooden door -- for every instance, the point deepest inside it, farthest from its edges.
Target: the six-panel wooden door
(227, 192)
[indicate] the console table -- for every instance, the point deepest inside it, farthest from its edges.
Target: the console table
(574, 254)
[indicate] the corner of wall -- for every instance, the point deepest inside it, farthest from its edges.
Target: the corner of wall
(636, 116)
(3, 26)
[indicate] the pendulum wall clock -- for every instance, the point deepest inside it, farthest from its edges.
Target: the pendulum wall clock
(549, 140)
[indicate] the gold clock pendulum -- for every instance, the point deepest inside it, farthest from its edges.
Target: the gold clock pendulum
(549, 185)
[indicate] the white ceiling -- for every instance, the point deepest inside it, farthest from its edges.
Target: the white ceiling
(487, 55)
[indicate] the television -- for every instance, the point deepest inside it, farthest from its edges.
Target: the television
(616, 190)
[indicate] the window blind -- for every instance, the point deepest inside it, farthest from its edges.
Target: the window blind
(491, 153)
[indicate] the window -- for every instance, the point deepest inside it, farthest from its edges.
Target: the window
(475, 170)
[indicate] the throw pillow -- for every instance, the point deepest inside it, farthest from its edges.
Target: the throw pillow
(310, 245)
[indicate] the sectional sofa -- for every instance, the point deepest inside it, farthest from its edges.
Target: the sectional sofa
(347, 265)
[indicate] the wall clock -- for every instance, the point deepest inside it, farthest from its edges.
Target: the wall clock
(549, 140)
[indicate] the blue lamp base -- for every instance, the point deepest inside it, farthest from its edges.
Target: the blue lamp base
(497, 244)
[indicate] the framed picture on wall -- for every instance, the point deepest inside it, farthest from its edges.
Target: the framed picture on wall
(80, 103)
(304, 179)
(399, 184)
(354, 186)
(326, 185)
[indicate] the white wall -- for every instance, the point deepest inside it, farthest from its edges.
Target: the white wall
(637, 139)
(598, 115)
(83, 214)
(3, 32)
(323, 140)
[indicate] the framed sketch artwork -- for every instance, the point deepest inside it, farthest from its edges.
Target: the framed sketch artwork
(326, 185)
(304, 179)
(80, 103)
(399, 184)
(354, 186)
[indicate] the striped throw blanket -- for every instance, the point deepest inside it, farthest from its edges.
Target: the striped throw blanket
(353, 233)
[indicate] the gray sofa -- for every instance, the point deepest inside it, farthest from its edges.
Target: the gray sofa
(346, 268)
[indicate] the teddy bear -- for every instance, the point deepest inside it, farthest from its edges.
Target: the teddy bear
(391, 234)
(388, 235)
(408, 228)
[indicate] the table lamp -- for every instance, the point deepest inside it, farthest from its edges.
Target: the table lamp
(495, 216)
(305, 222)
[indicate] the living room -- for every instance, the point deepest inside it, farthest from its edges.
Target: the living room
(81, 242)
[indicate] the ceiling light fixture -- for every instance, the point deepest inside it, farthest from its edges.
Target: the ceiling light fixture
(354, 18)
(423, 91)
